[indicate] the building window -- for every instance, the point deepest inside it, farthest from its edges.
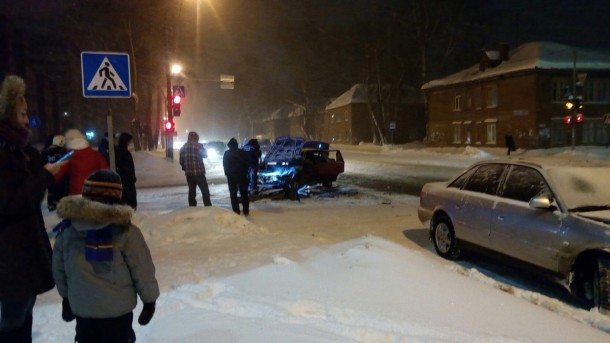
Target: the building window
(457, 102)
(492, 97)
(491, 133)
(560, 89)
(332, 118)
(477, 98)
(457, 134)
(346, 115)
(597, 91)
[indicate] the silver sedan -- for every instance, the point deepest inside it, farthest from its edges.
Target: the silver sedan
(552, 214)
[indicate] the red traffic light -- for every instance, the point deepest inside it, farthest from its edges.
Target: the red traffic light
(567, 120)
(580, 117)
(169, 126)
(177, 99)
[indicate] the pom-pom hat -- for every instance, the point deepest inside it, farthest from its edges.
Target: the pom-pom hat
(103, 186)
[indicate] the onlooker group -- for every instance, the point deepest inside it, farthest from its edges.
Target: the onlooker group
(192, 154)
(235, 163)
(25, 250)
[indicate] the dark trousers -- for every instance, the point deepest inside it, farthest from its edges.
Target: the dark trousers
(201, 182)
(241, 184)
(16, 320)
(105, 330)
(253, 172)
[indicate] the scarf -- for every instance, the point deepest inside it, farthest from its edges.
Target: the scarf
(14, 135)
(98, 243)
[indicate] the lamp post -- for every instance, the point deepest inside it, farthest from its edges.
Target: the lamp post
(175, 69)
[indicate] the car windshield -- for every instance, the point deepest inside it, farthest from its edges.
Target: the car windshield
(582, 187)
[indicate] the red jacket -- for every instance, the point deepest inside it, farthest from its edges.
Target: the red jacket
(81, 164)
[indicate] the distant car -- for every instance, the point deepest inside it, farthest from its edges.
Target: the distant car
(552, 214)
(293, 163)
(215, 149)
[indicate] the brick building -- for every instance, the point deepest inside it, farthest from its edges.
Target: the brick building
(522, 92)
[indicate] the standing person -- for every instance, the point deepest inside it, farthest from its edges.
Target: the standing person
(126, 169)
(235, 163)
(253, 150)
(192, 154)
(101, 263)
(25, 250)
(510, 143)
(84, 161)
(52, 154)
(104, 147)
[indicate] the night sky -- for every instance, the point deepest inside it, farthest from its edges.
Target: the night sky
(305, 51)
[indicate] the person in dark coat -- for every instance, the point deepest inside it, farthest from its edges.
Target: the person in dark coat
(235, 163)
(52, 154)
(126, 169)
(104, 148)
(510, 143)
(192, 154)
(25, 249)
(253, 150)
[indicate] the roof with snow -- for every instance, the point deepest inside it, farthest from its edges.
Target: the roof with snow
(356, 94)
(531, 56)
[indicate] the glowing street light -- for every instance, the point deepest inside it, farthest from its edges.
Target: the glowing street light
(176, 69)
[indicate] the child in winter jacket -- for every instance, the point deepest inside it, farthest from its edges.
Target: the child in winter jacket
(101, 263)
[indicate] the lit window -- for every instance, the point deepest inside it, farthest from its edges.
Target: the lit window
(491, 133)
(492, 96)
(457, 102)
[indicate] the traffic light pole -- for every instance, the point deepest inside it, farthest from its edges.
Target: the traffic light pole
(169, 138)
(575, 108)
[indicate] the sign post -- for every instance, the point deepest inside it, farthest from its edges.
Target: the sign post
(106, 75)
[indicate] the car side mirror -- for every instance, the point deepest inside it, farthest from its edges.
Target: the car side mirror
(542, 202)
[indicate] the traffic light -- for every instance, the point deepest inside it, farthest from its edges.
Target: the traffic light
(569, 104)
(169, 126)
(579, 118)
(567, 120)
(176, 105)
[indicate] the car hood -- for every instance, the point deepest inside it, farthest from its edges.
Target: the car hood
(602, 216)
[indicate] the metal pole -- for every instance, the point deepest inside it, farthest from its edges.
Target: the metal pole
(573, 122)
(110, 138)
(169, 153)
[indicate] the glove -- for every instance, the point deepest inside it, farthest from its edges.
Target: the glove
(66, 311)
(147, 313)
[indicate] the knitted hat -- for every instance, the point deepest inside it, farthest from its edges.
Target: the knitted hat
(103, 186)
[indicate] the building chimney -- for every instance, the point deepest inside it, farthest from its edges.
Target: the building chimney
(483, 60)
(504, 52)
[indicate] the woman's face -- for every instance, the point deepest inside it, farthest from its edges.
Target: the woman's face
(22, 118)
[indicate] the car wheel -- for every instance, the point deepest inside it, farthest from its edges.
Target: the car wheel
(601, 284)
(443, 236)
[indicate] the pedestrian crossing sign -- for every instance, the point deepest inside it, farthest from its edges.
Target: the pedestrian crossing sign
(105, 75)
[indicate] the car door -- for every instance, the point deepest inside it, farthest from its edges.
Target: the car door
(472, 214)
(518, 230)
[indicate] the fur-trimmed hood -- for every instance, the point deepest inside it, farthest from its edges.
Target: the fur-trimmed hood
(82, 210)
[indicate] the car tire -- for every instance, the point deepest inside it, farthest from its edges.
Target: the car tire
(601, 284)
(443, 236)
